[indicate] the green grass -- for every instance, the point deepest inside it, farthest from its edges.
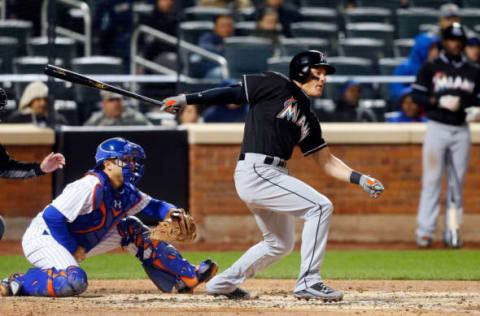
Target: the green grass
(347, 265)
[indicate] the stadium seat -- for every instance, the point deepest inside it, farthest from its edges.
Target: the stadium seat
(68, 108)
(8, 51)
(370, 48)
(387, 67)
(19, 29)
(317, 14)
(368, 14)
(470, 17)
(432, 28)
(293, 46)
(434, 4)
(471, 3)
(201, 13)
(244, 14)
(408, 20)
(64, 48)
(380, 31)
(192, 30)
(36, 65)
(319, 3)
(247, 55)
(349, 66)
(279, 64)
(87, 98)
(314, 29)
(388, 4)
(245, 28)
(402, 47)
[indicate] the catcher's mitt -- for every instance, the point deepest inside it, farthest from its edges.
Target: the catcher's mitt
(177, 226)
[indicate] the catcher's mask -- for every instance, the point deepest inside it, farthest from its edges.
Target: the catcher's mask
(303, 62)
(3, 103)
(130, 156)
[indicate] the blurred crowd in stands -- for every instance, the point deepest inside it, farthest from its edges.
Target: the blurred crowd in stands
(286, 25)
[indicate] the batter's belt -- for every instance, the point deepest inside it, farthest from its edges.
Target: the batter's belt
(269, 160)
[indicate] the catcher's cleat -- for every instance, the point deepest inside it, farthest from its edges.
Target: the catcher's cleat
(319, 291)
(205, 271)
(237, 294)
(10, 286)
(424, 241)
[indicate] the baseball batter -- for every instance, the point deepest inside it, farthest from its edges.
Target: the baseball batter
(14, 169)
(94, 215)
(280, 118)
(448, 87)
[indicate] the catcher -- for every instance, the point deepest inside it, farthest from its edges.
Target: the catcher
(94, 215)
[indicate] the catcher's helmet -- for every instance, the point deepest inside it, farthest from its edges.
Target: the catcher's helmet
(132, 155)
(302, 63)
(455, 31)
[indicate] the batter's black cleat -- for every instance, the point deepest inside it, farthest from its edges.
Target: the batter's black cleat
(319, 291)
(10, 287)
(205, 271)
(237, 294)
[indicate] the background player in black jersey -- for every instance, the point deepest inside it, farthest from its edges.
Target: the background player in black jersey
(449, 88)
(280, 118)
(13, 169)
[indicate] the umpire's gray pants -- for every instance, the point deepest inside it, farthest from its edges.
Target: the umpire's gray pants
(275, 199)
(444, 146)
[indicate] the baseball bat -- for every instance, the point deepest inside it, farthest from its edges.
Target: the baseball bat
(67, 75)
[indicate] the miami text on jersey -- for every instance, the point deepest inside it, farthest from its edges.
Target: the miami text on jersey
(292, 113)
(442, 82)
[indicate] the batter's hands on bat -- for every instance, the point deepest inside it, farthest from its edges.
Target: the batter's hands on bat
(372, 186)
(80, 254)
(52, 162)
(174, 104)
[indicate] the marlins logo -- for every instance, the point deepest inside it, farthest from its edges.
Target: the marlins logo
(442, 82)
(291, 112)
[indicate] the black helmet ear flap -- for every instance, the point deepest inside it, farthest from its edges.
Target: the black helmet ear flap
(302, 63)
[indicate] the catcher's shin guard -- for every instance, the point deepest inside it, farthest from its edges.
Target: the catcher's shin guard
(162, 279)
(52, 282)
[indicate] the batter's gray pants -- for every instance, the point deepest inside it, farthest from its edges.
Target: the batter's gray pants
(444, 146)
(275, 199)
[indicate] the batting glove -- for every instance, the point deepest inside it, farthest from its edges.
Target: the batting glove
(372, 186)
(473, 114)
(174, 104)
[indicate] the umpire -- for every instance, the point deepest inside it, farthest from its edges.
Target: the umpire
(280, 118)
(13, 169)
(449, 88)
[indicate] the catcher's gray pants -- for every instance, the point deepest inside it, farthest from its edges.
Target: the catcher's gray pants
(444, 146)
(275, 199)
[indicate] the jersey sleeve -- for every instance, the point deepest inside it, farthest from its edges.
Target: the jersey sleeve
(423, 81)
(78, 197)
(311, 139)
(261, 87)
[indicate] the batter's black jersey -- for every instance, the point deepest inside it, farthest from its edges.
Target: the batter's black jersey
(10, 168)
(279, 117)
(444, 77)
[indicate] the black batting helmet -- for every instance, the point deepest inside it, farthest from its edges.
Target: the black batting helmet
(303, 62)
(455, 32)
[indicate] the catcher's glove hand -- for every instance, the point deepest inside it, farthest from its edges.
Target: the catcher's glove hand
(177, 226)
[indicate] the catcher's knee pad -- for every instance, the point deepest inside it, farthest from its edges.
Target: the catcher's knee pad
(52, 282)
(131, 229)
(69, 282)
